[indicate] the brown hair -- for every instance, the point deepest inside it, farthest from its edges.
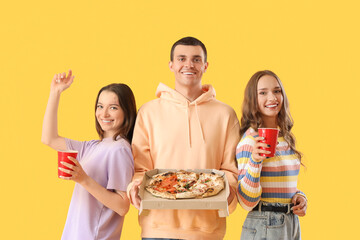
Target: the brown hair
(188, 41)
(251, 115)
(127, 103)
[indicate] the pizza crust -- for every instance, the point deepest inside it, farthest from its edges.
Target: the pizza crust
(160, 194)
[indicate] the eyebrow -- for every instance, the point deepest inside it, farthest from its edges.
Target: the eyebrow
(194, 56)
(110, 104)
(267, 88)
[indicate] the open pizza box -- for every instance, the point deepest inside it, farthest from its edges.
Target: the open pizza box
(219, 201)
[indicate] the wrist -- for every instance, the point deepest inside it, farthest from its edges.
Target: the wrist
(301, 194)
(55, 92)
(255, 161)
(129, 188)
(85, 181)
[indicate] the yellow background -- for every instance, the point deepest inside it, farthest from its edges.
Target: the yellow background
(312, 45)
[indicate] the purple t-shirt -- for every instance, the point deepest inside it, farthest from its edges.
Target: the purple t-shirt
(109, 163)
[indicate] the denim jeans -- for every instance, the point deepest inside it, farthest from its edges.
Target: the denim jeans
(271, 226)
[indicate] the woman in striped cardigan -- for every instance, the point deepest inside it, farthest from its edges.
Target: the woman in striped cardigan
(267, 186)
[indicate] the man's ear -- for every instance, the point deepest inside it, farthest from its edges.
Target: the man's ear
(206, 66)
(170, 66)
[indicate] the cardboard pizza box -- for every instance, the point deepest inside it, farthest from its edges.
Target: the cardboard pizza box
(219, 201)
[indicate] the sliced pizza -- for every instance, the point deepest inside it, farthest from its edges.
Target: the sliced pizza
(185, 184)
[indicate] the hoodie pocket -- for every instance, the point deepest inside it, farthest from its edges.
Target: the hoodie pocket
(203, 220)
(189, 220)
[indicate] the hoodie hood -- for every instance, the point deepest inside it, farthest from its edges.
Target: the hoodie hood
(168, 94)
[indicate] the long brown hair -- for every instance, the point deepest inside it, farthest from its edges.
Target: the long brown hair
(127, 103)
(251, 116)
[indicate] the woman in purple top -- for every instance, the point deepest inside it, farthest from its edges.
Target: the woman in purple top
(103, 168)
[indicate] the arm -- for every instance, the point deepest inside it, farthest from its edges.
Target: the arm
(142, 158)
(250, 165)
(116, 201)
(228, 164)
(50, 134)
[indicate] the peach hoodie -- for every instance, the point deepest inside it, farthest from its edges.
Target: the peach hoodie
(172, 132)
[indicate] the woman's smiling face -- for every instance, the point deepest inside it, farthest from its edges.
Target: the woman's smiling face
(108, 113)
(269, 96)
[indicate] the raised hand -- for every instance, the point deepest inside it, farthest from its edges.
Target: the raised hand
(50, 135)
(61, 82)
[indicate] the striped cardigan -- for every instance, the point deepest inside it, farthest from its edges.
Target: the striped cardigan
(272, 180)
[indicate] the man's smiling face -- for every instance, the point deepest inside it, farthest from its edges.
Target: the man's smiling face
(188, 65)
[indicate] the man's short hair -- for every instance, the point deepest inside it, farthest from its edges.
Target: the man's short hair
(188, 41)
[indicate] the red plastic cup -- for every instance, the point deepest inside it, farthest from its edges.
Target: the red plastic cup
(271, 136)
(63, 157)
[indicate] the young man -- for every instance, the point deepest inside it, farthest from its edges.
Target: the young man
(185, 128)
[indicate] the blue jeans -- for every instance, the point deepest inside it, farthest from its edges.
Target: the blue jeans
(160, 239)
(271, 226)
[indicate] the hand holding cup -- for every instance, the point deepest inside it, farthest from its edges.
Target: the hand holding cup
(270, 136)
(74, 170)
(258, 153)
(69, 168)
(63, 158)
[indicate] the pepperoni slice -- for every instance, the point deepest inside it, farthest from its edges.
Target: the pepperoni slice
(168, 183)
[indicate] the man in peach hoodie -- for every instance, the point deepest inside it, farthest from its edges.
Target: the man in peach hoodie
(185, 128)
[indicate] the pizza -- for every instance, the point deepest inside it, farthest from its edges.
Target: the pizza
(185, 184)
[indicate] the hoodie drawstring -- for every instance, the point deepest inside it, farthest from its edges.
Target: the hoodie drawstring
(198, 120)
(200, 127)
(188, 124)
